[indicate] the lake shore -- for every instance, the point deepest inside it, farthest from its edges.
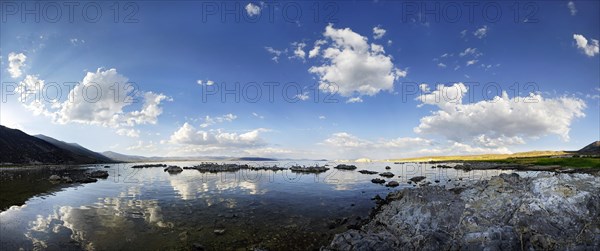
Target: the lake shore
(508, 212)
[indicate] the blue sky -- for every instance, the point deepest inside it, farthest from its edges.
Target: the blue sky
(386, 60)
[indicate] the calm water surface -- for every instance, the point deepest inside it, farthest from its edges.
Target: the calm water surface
(141, 209)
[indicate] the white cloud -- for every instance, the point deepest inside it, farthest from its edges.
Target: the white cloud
(470, 51)
(299, 50)
(590, 49)
(441, 65)
(572, 9)
(472, 62)
(354, 66)
(94, 101)
(29, 86)
(258, 115)
(276, 53)
(502, 120)
(322, 117)
(76, 41)
(15, 63)
(463, 33)
(354, 100)
(378, 32)
(188, 135)
(207, 82)
(208, 121)
(303, 96)
(129, 132)
(481, 32)
(348, 145)
(252, 9)
(315, 51)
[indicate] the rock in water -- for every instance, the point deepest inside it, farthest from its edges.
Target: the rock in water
(99, 174)
(173, 169)
(388, 168)
(219, 231)
(387, 174)
(392, 184)
(54, 178)
(417, 178)
(345, 167)
(378, 181)
(507, 212)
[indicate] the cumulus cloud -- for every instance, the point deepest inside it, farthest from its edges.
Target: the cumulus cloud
(353, 66)
(15, 63)
(441, 65)
(188, 135)
(129, 132)
(481, 32)
(378, 32)
(299, 50)
(252, 9)
(572, 9)
(590, 49)
(315, 50)
(348, 145)
(208, 120)
(95, 101)
(500, 121)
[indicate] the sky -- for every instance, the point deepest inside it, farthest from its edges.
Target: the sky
(334, 80)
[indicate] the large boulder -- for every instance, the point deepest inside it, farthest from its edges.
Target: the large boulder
(508, 212)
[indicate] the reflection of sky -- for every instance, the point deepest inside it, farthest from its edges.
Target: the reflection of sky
(131, 208)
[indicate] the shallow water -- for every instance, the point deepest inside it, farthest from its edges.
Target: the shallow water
(140, 209)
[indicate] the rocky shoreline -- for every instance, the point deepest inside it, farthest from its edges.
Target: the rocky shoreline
(551, 211)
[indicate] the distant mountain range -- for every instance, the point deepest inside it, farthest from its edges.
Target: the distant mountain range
(19, 148)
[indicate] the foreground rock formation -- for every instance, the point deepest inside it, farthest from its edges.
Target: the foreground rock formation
(547, 212)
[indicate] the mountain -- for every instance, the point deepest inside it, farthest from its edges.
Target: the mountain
(17, 147)
(126, 158)
(75, 148)
(591, 149)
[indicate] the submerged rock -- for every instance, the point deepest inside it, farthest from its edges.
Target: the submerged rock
(507, 212)
(387, 175)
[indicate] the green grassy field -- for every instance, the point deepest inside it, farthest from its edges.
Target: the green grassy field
(542, 158)
(481, 157)
(545, 161)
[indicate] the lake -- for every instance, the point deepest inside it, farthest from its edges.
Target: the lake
(148, 208)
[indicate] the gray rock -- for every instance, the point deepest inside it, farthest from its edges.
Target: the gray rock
(54, 178)
(173, 169)
(378, 181)
(507, 212)
(99, 174)
(387, 175)
(219, 231)
(417, 178)
(392, 184)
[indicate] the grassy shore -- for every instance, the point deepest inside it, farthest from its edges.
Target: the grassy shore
(542, 158)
